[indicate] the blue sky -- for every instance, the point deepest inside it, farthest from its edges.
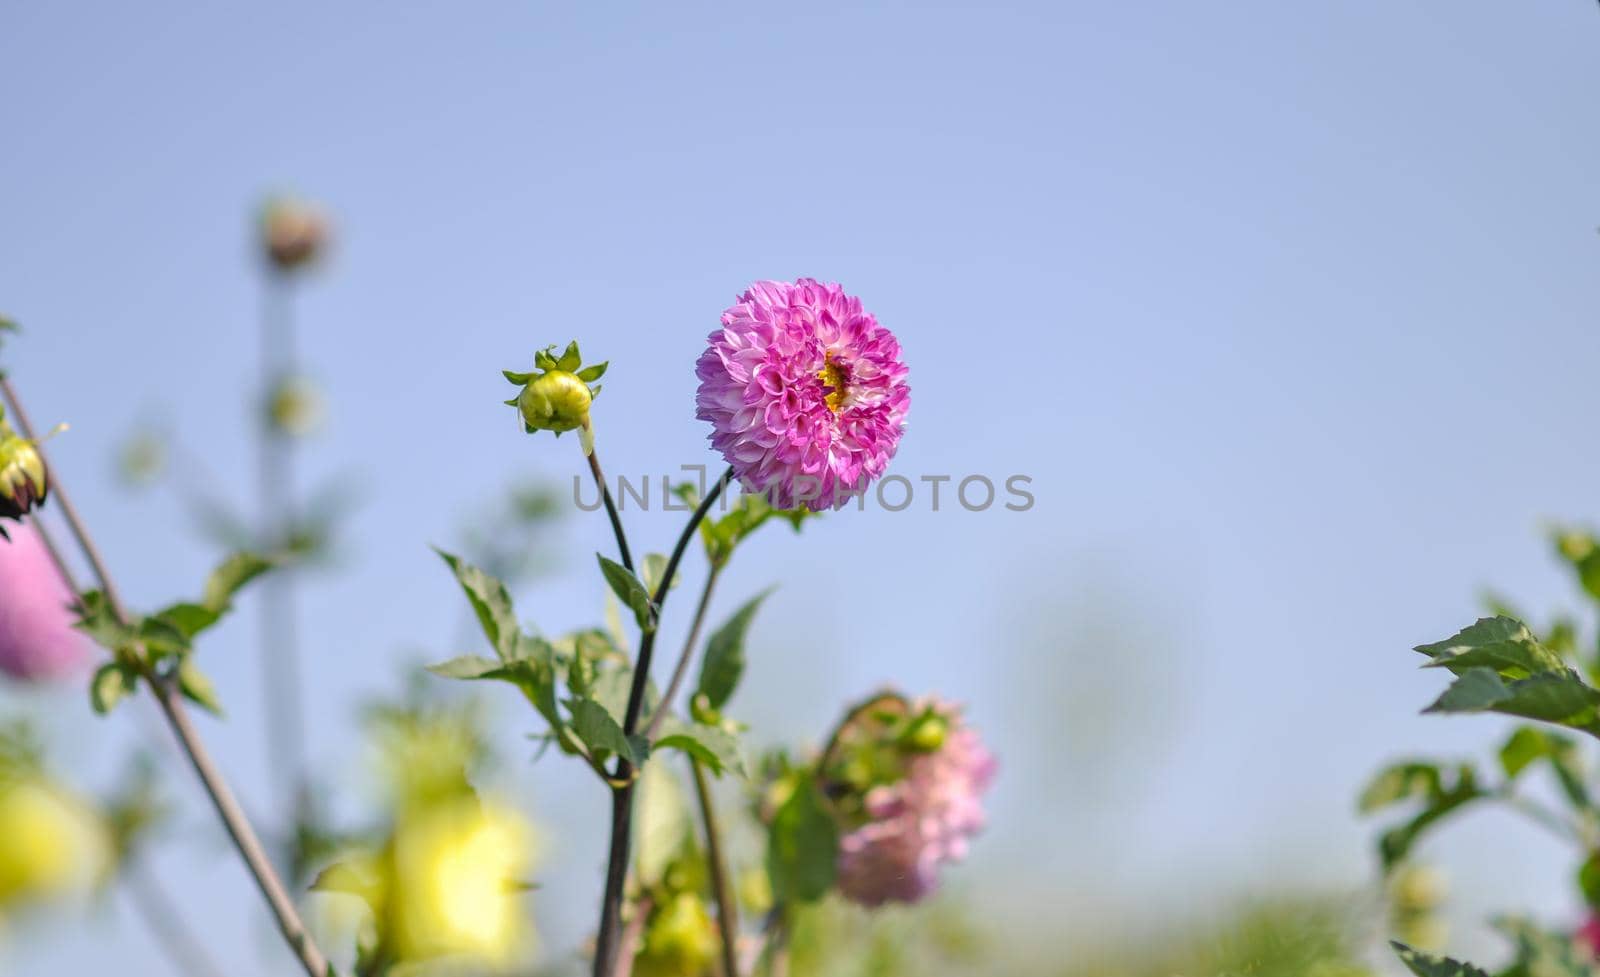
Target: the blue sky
(1287, 309)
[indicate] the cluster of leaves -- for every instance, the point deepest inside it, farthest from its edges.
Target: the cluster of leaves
(580, 682)
(162, 642)
(1499, 665)
(1535, 953)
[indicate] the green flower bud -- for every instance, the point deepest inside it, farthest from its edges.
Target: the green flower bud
(556, 395)
(556, 401)
(927, 733)
(23, 484)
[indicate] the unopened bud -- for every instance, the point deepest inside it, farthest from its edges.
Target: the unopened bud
(557, 401)
(23, 483)
(294, 233)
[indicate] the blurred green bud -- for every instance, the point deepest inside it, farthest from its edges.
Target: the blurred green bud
(927, 732)
(679, 941)
(142, 459)
(1575, 546)
(295, 407)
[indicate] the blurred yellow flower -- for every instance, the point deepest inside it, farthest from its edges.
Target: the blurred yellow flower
(52, 844)
(455, 883)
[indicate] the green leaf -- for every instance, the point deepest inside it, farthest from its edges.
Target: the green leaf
(571, 358)
(1401, 782)
(517, 380)
(111, 684)
(630, 591)
(1424, 965)
(1529, 745)
(225, 581)
(713, 746)
(1554, 697)
(97, 619)
(1499, 643)
(600, 732)
(197, 687)
(490, 602)
(590, 374)
(655, 565)
(1441, 796)
(725, 659)
(1589, 880)
(802, 846)
(468, 667)
(1540, 953)
(186, 619)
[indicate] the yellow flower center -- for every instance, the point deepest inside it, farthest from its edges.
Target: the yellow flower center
(833, 381)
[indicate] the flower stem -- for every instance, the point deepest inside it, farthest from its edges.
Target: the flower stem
(727, 907)
(281, 685)
(171, 702)
(605, 954)
(593, 458)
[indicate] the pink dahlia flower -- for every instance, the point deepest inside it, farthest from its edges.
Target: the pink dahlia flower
(918, 823)
(805, 392)
(37, 639)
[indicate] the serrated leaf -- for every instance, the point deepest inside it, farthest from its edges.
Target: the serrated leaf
(570, 358)
(712, 746)
(724, 660)
(226, 580)
(490, 602)
(630, 590)
(1502, 644)
(1423, 965)
(802, 846)
(1555, 697)
(598, 731)
(110, 685)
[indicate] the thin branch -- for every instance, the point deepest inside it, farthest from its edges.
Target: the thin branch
(681, 669)
(628, 948)
(282, 688)
(162, 916)
(170, 699)
(727, 907)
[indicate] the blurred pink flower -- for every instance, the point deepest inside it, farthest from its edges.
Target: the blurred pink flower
(805, 392)
(918, 823)
(37, 639)
(1589, 934)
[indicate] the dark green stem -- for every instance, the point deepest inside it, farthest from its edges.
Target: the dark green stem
(605, 955)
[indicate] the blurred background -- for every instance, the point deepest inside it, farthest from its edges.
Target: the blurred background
(1287, 310)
